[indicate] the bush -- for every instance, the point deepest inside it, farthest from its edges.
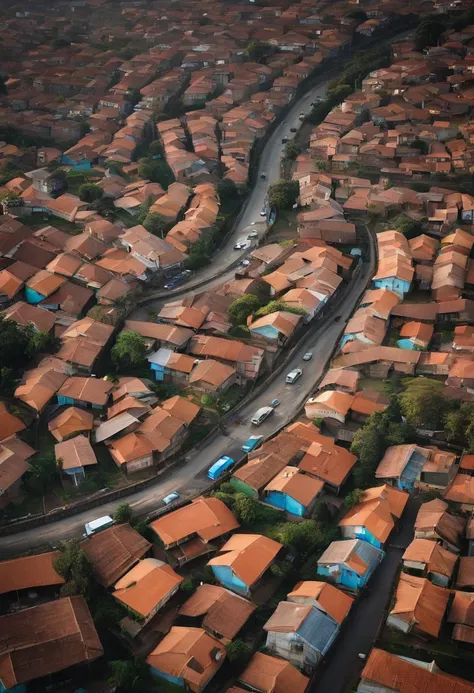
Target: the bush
(123, 513)
(89, 192)
(242, 308)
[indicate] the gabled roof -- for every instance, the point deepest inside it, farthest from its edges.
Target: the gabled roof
(272, 675)
(420, 603)
(335, 602)
(432, 554)
(69, 421)
(29, 571)
(75, 452)
(293, 483)
(248, 555)
(146, 585)
(224, 612)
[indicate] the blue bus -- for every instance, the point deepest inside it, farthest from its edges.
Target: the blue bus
(219, 467)
(252, 443)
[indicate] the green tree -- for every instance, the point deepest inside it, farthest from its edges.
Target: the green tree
(428, 33)
(156, 224)
(129, 349)
(304, 537)
(274, 306)
(131, 676)
(283, 194)
(75, 567)
(42, 474)
(41, 342)
(257, 51)
(156, 148)
(227, 191)
(239, 652)
(240, 309)
(353, 498)
(89, 192)
(246, 509)
(123, 513)
(156, 170)
(459, 425)
(423, 403)
(291, 151)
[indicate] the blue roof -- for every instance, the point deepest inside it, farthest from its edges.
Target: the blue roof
(318, 630)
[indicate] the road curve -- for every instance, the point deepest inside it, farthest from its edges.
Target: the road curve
(190, 478)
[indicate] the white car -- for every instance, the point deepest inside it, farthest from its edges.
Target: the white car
(293, 376)
(308, 356)
(252, 234)
(171, 498)
(263, 212)
(239, 246)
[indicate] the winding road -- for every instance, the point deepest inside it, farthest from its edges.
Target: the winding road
(321, 338)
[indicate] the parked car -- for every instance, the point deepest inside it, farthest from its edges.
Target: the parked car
(293, 130)
(252, 443)
(301, 116)
(275, 403)
(98, 525)
(261, 414)
(171, 498)
(263, 212)
(252, 234)
(284, 140)
(308, 356)
(263, 175)
(293, 376)
(337, 318)
(239, 246)
(245, 263)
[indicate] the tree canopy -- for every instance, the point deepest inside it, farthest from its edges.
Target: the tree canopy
(129, 349)
(423, 403)
(156, 170)
(156, 224)
(244, 306)
(75, 567)
(89, 192)
(123, 513)
(283, 194)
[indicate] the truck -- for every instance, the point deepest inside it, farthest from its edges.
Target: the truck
(252, 443)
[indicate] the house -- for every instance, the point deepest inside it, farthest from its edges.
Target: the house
(434, 522)
(328, 462)
(14, 456)
(395, 266)
(212, 376)
(465, 576)
(323, 596)
(243, 560)
(276, 327)
(461, 613)
(25, 314)
(146, 588)
(170, 366)
(401, 465)
(73, 455)
(244, 358)
(292, 491)
(70, 422)
(114, 551)
(29, 572)
(419, 606)
(45, 639)
(9, 423)
(427, 558)
(373, 517)
(188, 532)
(266, 674)
(187, 657)
(223, 613)
(301, 634)
(42, 285)
(82, 344)
(386, 673)
(349, 563)
(40, 384)
(461, 492)
(90, 393)
(415, 335)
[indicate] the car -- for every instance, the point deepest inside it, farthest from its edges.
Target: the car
(308, 356)
(293, 376)
(284, 140)
(263, 212)
(244, 263)
(337, 318)
(261, 414)
(293, 130)
(219, 467)
(275, 403)
(252, 234)
(171, 498)
(239, 246)
(252, 443)
(98, 525)
(263, 175)
(171, 285)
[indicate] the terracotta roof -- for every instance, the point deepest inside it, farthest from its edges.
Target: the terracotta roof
(333, 601)
(327, 461)
(248, 555)
(114, 551)
(209, 518)
(211, 372)
(147, 584)
(271, 675)
(287, 617)
(433, 516)
(344, 378)
(46, 639)
(282, 321)
(298, 486)
(462, 608)
(224, 612)
(395, 498)
(420, 604)
(92, 390)
(189, 654)
(75, 452)
(461, 489)
(396, 459)
(9, 424)
(181, 408)
(465, 576)
(71, 420)
(29, 571)
(13, 455)
(432, 554)
(388, 671)
(24, 314)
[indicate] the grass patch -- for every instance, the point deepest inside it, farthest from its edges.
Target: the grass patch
(40, 219)
(385, 387)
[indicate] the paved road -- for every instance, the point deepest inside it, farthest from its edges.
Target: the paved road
(344, 665)
(191, 478)
(227, 256)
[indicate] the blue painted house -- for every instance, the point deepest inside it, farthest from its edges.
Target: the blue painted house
(350, 563)
(415, 336)
(292, 491)
(402, 465)
(301, 634)
(41, 285)
(89, 393)
(373, 518)
(243, 560)
(277, 327)
(187, 657)
(395, 267)
(170, 366)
